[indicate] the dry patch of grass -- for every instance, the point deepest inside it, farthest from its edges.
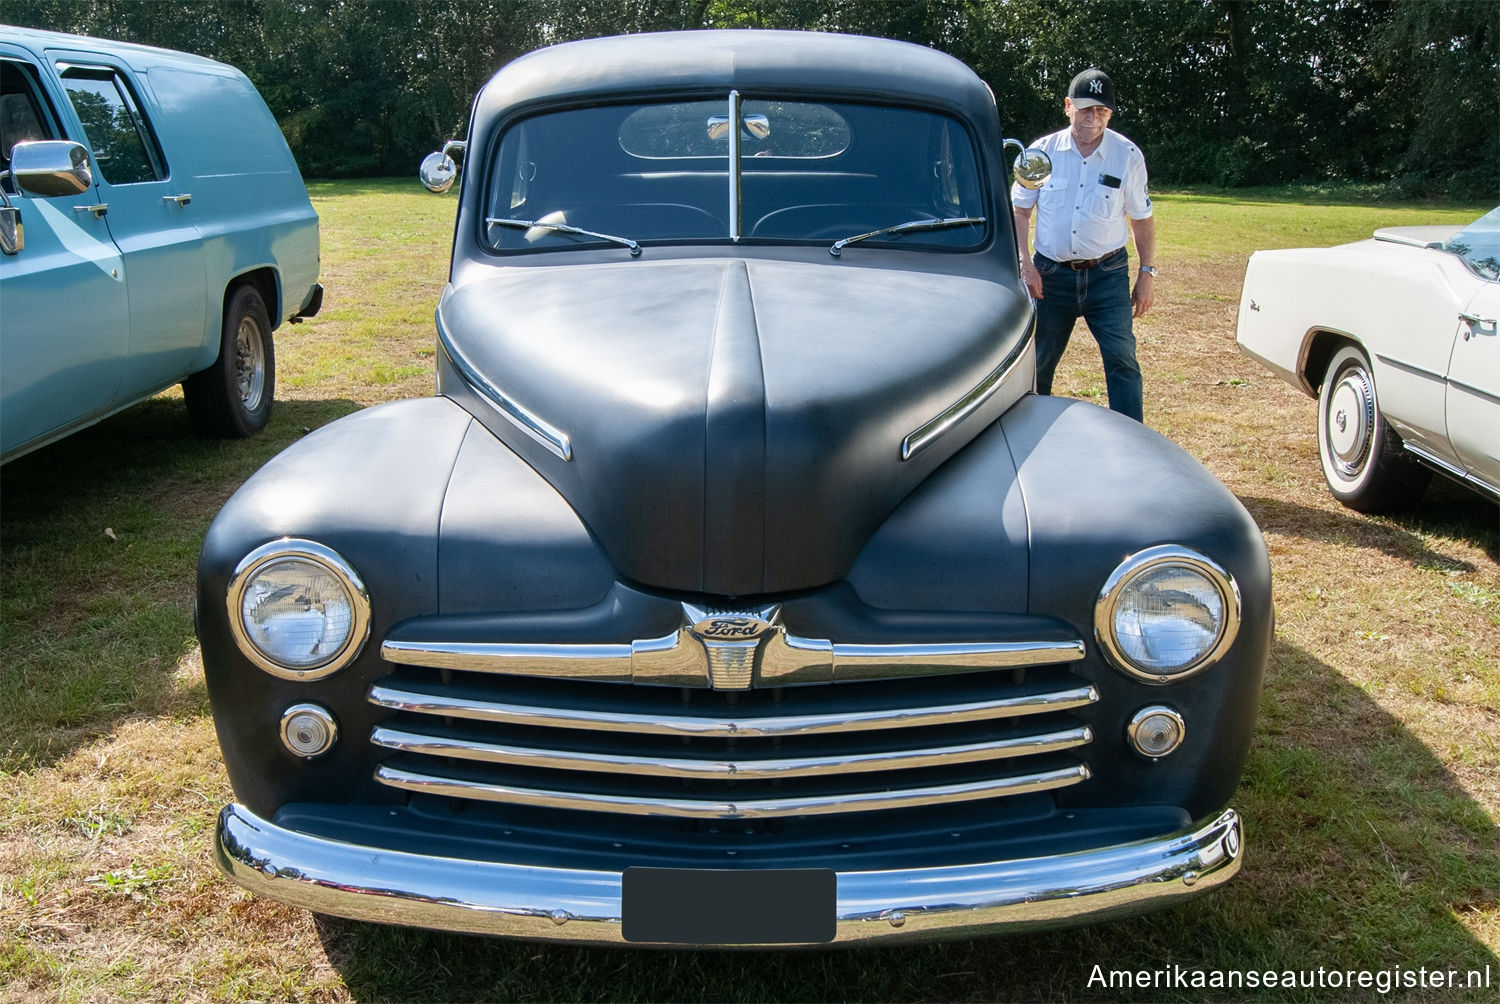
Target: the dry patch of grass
(1372, 793)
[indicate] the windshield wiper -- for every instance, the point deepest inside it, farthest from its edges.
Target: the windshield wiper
(563, 228)
(907, 228)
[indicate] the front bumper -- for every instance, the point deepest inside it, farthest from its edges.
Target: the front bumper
(583, 906)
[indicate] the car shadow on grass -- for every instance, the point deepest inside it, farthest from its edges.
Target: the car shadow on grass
(1445, 510)
(99, 541)
(1364, 853)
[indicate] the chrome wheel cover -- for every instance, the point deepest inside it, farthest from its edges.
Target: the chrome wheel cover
(250, 363)
(1349, 422)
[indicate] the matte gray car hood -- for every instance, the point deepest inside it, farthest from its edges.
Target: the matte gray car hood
(735, 424)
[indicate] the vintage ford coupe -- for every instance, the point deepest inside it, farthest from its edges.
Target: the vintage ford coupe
(735, 588)
(1397, 338)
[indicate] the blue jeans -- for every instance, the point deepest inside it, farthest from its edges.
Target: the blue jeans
(1101, 296)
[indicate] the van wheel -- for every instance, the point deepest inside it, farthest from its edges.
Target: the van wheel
(1363, 462)
(233, 397)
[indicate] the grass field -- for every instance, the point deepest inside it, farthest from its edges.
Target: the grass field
(1371, 797)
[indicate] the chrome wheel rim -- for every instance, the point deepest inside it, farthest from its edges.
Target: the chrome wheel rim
(1349, 422)
(250, 363)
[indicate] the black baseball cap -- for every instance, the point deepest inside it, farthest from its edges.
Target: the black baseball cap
(1092, 87)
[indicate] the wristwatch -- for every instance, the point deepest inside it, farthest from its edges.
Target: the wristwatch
(1149, 270)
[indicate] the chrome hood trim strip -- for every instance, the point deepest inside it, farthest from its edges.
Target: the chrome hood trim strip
(543, 432)
(744, 769)
(583, 906)
(423, 702)
(971, 402)
(766, 808)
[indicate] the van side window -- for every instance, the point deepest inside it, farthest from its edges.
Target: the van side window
(24, 115)
(124, 146)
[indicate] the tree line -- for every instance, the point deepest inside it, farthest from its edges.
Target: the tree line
(1401, 95)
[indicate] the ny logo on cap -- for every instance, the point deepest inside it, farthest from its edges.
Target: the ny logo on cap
(1096, 87)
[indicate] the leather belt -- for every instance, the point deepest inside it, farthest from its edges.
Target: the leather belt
(1084, 264)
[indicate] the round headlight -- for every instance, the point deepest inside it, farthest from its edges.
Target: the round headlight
(1167, 613)
(297, 609)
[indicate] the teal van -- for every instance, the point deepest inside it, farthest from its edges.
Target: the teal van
(154, 229)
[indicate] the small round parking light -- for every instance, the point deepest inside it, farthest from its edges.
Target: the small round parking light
(1156, 731)
(308, 730)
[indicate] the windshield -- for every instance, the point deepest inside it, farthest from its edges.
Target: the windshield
(1478, 244)
(807, 172)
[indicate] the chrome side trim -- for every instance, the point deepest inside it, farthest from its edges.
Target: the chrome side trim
(417, 701)
(728, 650)
(766, 808)
(965, 406)
(1427, 456)
(584, 906)
(548, 435)
(1474, 389)
(1469, 479)
(1410, 367)
(740, 770)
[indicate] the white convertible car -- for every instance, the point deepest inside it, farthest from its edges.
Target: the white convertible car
(1397, 339)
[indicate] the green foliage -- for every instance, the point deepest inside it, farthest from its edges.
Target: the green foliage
(1396, 93)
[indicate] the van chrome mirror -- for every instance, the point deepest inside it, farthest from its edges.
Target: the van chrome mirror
(51, 167)
(1032, 166)
(12, 234)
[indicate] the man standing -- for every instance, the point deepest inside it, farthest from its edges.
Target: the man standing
(1080, 268)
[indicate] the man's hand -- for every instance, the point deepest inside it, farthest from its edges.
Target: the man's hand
(1031, 277)
(1144, 295)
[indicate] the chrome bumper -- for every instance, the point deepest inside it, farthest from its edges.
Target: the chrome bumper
(563, 904)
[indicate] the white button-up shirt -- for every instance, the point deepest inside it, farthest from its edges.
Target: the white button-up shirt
(1082, 209)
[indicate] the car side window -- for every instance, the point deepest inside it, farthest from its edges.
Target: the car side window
(24, 114)
(124, 147)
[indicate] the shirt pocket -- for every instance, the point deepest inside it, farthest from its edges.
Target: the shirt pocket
(1104, 203)
(1053, 194)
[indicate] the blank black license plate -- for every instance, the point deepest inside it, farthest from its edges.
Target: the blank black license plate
(708, 906)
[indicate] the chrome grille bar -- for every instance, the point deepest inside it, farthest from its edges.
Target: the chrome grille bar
(427, 702)
(738, 769)
(687, 808)
(698, 653)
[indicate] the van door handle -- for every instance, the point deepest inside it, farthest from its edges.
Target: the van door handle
(181, 200)
(98, 209)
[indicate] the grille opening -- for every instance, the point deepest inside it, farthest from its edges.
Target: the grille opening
(841, 748)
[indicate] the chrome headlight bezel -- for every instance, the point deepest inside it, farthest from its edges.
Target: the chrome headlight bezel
(330, 561)
(1151, 559)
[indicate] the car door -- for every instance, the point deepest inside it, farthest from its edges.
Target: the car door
(64, 330)
(1473, 397)
(151, 217)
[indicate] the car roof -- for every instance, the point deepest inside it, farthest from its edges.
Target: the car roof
(754, 61)
(132, 53)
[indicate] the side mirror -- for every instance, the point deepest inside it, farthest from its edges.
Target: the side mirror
(439, 170)
(1032, 167)
(51, 167)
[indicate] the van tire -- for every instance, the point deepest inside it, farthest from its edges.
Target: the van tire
(233, 397)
